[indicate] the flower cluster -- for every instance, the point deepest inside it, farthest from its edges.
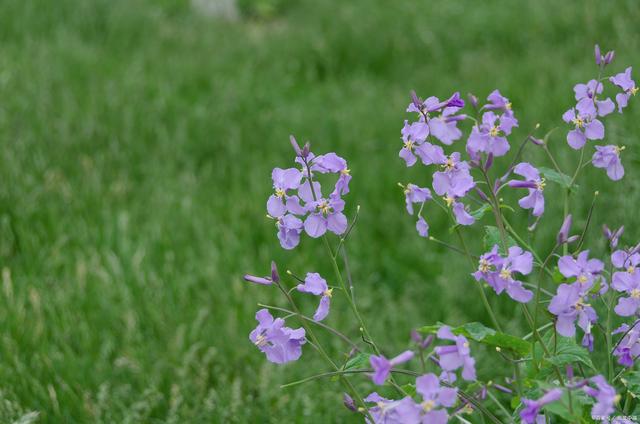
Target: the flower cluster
(440, 384)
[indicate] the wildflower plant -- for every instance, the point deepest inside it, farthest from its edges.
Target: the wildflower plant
(582, 306)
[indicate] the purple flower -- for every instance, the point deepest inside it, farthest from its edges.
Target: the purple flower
(289, 229)
(563, 234)
(628, 349)
(586, 96)
(316, 285)
(445, 127)
(608, 157)
(454, 180)
(413, 135)
(422, 227)
(266, 281)
(382, 366)
(532, 407)
(332, 163)
(283, 181)
(498, 102)
(454, 356)
(414, 194)
(386, 411)
(628, 283)
(568, 305)
(587, 127)
(327, 215)
(612, 236)
(534, 183)
(628, 86)
(281, 344)
(489, 137)
(585, 270)
(499, 272)
(627, 260)
(433, 397)
(460, 213)
(605, 397)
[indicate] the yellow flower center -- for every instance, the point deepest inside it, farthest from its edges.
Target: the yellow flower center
(328, 292)
(261, 340)
(578, 122)
(345, 171)
(540, 185)
(324, 207)
(449, 200)
(582, 279)
(508, 106)
(580, 304)
(631, 269)
(493, 132)
(408, 145)
(505, 274)
(619, 149)
(280, 193)
(633, 91)
(635, 293)
(428, 405)
(484, 266)
(449, 165)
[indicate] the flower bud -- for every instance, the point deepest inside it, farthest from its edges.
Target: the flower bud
(473, 100)
(597, 55)
(572, 239)
(481, 194)
(536, 141)
(349, 402)
(489, 162)
(608, 58)
(306, 149)
(275, 277)
(415, 100)
(295, 145)
(563, 234)
(258, 280)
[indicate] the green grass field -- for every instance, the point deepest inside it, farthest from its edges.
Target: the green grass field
(137, 140)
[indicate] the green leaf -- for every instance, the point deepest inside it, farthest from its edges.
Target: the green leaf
(409, 388)
(557, 177)
(361, 360)
(557, 276)
(479, 213)
(569, 352)
(632, 382)
(485, 335)
(492, 237)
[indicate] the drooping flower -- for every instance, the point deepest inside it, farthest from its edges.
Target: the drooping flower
(281, 344)
(422, 227)
(628, 86)
(569, 305)
(587, 126)
(534, 183)
(283, 181)
(605, 396)
(452, 357)
(612, 236)
(413, 135)
(585, 270)
(382, 366)
(434, 397)
(499, 272)
(628, 349)
(414, 194)
(289, 229)
(386, 411)
(265, 281)
(489, 137)
(608, 157)
(461, 215)
(529, 413)
(316, 285)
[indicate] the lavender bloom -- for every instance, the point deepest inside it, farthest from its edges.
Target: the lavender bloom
(598, 55)
(489, 136)
(281, 344)
(628, 349)
(605, 397)
(283, 180)
(422, 227)
(628, 86)
(454, 356)
(382, 366)
(413, 136)
(498, 272)
(386, 411)
(584, 269)
(586, 96)
(414, 194)
(289, 229)
(534, 183)
(628, 283)
(454, 180)
(461, 215)
(608, 157)
(327, 215)
(332, 163)
(628, 261)
(568, 305)
(445, 127)
(316, 285)
(266, 281)
(498, 102)
(587, 127)
(532, 407)
(434, 396)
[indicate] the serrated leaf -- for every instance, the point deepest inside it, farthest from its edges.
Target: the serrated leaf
(632, 381)
(492, 237)
(485, 335)
(361, 360)
(569, 352)
(557, 177)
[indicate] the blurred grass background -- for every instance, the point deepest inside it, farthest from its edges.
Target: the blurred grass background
(137, 139)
